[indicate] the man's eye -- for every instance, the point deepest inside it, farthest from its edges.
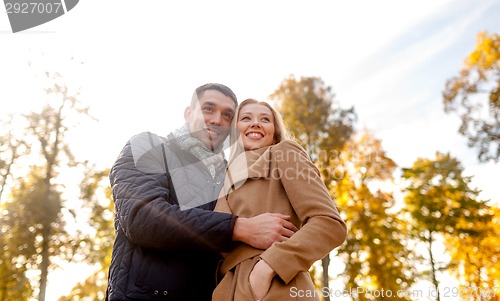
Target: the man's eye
(207, 109)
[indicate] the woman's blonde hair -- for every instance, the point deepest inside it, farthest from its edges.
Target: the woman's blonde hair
(280, 131)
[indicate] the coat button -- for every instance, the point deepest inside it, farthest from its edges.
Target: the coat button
(165, 293)
(156, 292)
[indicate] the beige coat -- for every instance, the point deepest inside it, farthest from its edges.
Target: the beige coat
(279, 179)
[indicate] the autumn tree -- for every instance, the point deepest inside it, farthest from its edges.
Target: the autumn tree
(475, 256)
(376, 255)
(317, 122)
(13, 283)
(96, 193)
(441, 203)
(475, 95)
(25, 213)
(14, 286)
(36, 207)
(11, 148)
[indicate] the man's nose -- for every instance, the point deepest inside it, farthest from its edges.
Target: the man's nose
(215, 118)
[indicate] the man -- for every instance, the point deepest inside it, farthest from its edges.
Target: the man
(168, 239)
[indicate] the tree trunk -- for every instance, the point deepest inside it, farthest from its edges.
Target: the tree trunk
(325, 262)
(4, 293)
(46, 231)
(433, 267)
(45, 263)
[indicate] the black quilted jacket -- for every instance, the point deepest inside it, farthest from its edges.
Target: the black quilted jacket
(168, 239)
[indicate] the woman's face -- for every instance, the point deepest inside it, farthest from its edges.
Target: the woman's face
(256, 126)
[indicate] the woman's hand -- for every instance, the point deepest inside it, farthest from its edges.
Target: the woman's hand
(260, 279)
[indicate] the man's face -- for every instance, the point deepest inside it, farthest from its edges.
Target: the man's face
(210, 118)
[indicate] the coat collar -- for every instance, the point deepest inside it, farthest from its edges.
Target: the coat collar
(253, 164)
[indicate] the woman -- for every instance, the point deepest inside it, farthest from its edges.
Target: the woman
(269, 173)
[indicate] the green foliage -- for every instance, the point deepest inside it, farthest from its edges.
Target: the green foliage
(439, 198)
(440, 202)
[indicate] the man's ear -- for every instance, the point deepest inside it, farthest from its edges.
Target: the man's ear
(187, 114)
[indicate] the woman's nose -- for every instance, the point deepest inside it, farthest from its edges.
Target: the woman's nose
(256, 122)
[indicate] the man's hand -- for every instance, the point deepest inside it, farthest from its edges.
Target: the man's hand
(263, 230)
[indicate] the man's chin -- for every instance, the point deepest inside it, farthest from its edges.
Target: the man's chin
(212, 144)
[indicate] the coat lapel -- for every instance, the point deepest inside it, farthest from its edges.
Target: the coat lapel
(248, 165)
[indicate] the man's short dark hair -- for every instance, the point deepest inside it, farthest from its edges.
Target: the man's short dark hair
(214, 86)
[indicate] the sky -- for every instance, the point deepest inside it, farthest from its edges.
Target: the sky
(136, 65)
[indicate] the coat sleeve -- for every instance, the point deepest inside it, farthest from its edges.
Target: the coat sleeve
(322, 227)
(145, 212)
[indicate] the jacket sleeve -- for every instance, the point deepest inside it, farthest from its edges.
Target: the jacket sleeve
(322, 227)
(146, 213)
